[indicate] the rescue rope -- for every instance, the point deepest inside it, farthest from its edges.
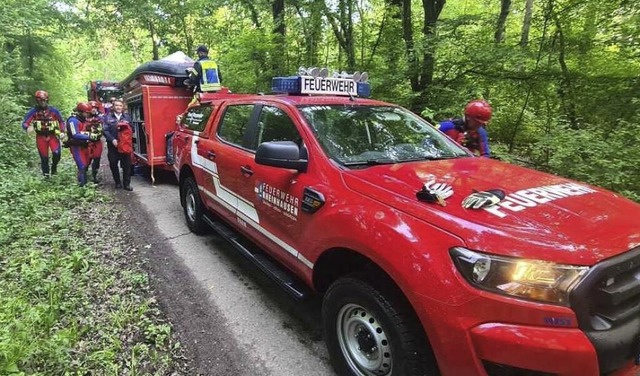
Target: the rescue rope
(152, 155)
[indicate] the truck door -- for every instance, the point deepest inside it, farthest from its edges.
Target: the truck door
(229, 150)
(201, 150)
(274, 194)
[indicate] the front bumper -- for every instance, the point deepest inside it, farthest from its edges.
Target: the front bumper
(497, 349)
(493, 335)
(565, 352)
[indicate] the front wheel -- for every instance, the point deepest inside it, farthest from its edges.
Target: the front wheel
(373, 333)
(193, 207)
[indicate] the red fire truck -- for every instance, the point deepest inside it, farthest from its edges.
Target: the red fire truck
(154, 94)
(101, 91)
(430, 260)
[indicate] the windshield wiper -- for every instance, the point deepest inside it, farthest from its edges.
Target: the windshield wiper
(371, 162)
(430, 158)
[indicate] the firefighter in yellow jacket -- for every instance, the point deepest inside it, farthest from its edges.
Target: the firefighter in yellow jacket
(206, 74)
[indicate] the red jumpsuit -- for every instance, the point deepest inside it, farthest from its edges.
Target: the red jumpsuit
(79, 138)
(94, 125)
(49, 125)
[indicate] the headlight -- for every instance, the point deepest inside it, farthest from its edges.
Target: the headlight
(527, 279)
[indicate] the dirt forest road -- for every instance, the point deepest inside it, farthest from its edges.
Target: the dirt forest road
(230, 317)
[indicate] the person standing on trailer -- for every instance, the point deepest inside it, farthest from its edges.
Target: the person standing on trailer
(119, 135)
(48, 124)
(206, 74)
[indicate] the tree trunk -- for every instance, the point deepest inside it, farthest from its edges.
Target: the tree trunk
(187, 36)
(501, 27)
(346, 24)
(343, 31)
(566, 91)
(526, 24)
(432, 10)
(254, 13)
(154, 40)
(407, 35)
(279, 31)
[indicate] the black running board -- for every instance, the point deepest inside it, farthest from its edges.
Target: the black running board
(290, 283)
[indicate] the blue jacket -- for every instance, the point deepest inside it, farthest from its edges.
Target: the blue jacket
(111, 126)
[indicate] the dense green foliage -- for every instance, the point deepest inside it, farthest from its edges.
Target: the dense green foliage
(69, 301)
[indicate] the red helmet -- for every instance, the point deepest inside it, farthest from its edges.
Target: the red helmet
(479, 110)
(41, 94)
(83, 107)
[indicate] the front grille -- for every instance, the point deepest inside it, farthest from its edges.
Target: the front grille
(607, 304)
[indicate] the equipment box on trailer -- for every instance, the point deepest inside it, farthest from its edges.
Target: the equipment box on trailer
(154, 94)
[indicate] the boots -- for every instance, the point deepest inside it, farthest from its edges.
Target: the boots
(94, 173)
(54, 163)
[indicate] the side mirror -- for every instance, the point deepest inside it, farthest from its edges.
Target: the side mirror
(283, 154)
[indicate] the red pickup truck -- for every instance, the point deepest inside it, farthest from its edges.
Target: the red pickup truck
(430, 260)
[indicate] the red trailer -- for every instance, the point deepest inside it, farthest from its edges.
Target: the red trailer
(154, 95)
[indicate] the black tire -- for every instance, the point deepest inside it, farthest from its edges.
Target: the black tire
(193, 207)
(371, 331)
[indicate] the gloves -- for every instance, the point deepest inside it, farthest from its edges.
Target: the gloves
(192, 72)
(62, 136)
(94, 136)
(478, 200)
(30, 129)
(435, 192)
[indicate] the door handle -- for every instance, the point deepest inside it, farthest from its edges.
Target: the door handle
(211, 155)
(246, 170)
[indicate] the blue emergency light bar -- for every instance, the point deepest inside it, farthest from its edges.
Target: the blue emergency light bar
(320, 86)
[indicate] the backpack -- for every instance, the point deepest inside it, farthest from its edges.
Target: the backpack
(70, 141)
(125, 138)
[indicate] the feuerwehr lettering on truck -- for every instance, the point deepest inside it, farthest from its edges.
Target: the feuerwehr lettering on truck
(531, 197)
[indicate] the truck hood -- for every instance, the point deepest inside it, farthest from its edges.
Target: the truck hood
(542, 217)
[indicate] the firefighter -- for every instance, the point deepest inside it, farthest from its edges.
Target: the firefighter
(119, 137)
(470, 131)
(95, 123)
(80, 135)
(205, 73)
(109, 105)
(48, 124)
(97, 109)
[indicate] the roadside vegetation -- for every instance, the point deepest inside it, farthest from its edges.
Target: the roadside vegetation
(74, 296)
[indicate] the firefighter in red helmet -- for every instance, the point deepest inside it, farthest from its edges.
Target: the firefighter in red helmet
(95, 125)
(48, 124)
(470, 131)
(81, 135)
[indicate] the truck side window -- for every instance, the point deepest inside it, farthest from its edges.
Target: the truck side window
(196, 119)
(275, 125)
(234, 123)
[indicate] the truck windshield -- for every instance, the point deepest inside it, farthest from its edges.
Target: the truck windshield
(105, 93)
(357, 135)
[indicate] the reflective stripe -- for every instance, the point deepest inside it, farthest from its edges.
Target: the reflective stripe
(209, 80)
